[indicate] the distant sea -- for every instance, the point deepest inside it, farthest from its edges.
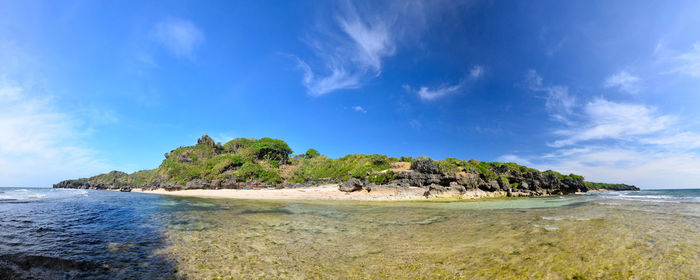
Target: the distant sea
(85, 234)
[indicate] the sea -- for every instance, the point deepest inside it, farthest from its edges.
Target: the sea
(90, 234)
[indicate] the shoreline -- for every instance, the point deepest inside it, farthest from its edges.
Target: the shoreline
(322, 192)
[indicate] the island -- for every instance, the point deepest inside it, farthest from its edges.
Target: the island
(265, 168)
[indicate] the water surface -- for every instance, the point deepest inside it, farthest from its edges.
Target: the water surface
(101, 234)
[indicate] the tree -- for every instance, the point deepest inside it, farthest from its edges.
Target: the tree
(272, 149)
(312, 153)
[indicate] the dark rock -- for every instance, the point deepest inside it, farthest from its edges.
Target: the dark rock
(206, 140)
(198, 184)
(184, 157)
(351, 185)
(436, 190)
(425, 165)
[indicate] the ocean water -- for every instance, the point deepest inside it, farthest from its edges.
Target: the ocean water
(79, 234)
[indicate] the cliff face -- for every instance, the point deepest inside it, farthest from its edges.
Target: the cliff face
(265, 163)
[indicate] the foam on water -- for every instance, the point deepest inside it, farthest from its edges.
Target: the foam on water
(39, 194)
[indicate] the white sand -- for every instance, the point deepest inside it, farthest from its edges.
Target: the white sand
(330, 192)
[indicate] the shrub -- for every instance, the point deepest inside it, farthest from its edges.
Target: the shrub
(224, 162)
(248, 171)
(360, 171)
(269, 177)
(382, 178)
(238, 143)
(451, 165)
(272, 149)
(311, 153)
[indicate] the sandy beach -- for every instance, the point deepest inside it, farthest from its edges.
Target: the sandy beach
(329, 192)
(322, 192)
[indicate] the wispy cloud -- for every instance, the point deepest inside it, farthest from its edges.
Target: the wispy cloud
(613, 141)
(650, 167)
(476, 72)
(604, 119)
(623, 81)
(559, 103)
(430, 94)
(179, 36)
(689, 62)
(514, 158)
(359, 109)
(351, 49)
(39, 143)
(415, 124)
(347, 61)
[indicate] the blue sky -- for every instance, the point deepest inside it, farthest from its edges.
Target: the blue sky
(606, 89)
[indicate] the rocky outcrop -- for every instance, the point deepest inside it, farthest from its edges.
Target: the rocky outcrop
(425, 165)
(425, 174)
(351, 185)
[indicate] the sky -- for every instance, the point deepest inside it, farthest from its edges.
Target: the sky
(606, 89)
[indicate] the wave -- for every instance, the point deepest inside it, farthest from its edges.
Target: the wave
(39, 194)
(653, 196)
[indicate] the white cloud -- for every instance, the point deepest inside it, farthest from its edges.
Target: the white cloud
(476, 72)
(559, 99)
(351, 49)
(679, 140)
(689, 62)
(372, 40)
(623, 81)
(604, 119)
(559, 103)
(416, 124)
(617, 142)
(514, 158)
(648, 168)
(359, 109)
(179, 36)
(337, 80)
(40, 144)
(533, 80)
(428, 94)
(347, 61)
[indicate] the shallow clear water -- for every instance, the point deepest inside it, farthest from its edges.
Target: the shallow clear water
(79, 234)
(617, 235)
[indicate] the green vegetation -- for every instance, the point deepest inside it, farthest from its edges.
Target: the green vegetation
(355, 165)
(311, 153)
(564, 177)
(382, 178)
(267, 160)
(613, 187)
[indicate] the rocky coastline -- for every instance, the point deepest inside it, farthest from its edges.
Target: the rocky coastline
(248, 163)
(423, 174)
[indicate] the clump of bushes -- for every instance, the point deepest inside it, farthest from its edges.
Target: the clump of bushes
(250, 171)
(355, 165)
(311, 153)
(382, 178)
